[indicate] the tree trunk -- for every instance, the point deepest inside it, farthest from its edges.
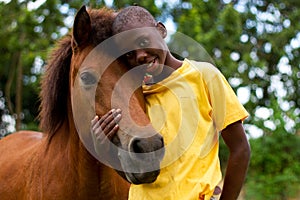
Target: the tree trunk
(19, 87)
(10, 79)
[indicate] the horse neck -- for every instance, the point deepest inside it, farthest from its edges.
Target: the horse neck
(75, 164)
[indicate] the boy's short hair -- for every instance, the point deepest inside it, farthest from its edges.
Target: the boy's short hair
(132, 14)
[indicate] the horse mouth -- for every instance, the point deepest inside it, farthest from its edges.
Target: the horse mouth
(142, 178)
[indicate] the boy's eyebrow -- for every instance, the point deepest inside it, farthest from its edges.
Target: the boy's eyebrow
(126, 50)
(140, 37)
(132, 42)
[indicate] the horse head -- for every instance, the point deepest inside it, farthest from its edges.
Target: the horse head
(99, 81)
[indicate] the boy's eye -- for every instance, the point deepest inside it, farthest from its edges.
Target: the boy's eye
(129, 54)
(144, 42)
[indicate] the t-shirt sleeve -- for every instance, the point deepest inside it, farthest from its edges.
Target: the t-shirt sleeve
(226, 108)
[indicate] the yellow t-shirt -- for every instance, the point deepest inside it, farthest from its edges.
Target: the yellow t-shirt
(189, 108)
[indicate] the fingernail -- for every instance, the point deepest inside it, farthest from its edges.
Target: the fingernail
(118, 110)
(94, 119)
(118, 116)
(113, 110)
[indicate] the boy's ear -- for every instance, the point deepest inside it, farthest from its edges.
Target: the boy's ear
(162, 29)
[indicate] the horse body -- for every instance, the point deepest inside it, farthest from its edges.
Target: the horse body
(58, 164)
(62, 169)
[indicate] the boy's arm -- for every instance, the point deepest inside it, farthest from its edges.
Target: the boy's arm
(235, 138)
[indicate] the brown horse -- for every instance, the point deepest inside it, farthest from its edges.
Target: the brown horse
(62, 163)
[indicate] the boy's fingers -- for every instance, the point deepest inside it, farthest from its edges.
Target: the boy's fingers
(104, 138)
(117, 111)
(106, 126)
(113, 132)
(118, 118)
(100, 134)
(110, 117)
(96, 118)
(107, 116)
(110, 126)
(95, 125)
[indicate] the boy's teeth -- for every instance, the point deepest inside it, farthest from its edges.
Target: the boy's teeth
(150, 65)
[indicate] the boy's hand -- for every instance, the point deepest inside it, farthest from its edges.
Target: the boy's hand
(106, 126)
(103, 130)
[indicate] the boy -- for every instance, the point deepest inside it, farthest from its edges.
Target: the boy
(189, 103)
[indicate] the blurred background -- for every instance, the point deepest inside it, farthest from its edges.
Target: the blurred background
(254, 43)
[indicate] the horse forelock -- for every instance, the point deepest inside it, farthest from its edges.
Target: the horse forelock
(55, 94)
(101, 20)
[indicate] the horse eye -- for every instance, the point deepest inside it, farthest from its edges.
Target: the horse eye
(87, 78)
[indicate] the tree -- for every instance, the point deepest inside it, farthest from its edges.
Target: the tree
(28, 30)
(274, 172)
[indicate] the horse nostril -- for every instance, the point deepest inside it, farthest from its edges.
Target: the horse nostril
(147, 145)
(137, 146)
(147, 149)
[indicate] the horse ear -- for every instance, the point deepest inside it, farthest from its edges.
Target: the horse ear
(81, 28)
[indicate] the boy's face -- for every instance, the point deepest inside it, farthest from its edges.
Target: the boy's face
(143, 45)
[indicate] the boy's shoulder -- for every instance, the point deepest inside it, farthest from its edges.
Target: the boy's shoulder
(205, 68)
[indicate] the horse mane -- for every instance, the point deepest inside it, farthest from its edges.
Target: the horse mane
(55, 92)
(55, 87)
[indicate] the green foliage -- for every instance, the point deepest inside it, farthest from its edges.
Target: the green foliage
(26, 34)
(150, 5)
(274, 170)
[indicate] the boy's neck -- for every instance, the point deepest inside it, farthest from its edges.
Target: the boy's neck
(174, 64)
(167, 71)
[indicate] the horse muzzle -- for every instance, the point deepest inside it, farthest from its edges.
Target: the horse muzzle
(141, 163)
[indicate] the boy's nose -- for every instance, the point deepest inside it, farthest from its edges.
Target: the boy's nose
(141, 56)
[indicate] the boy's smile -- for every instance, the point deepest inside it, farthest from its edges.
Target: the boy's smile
(152, 66)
